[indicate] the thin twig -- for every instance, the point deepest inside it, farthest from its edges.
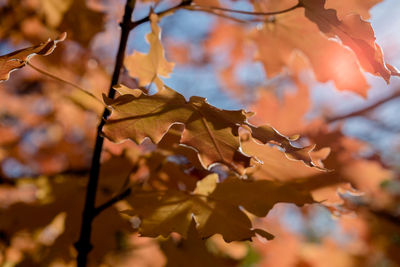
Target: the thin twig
(63, 81)
(216, 13)
(184, 3)
(252, 13)
(84, 245)
(383, 214)
(112, 201)
(365, 109)
(187, 4)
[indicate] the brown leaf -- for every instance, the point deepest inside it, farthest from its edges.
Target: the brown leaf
(18, 59)
(82, 22)
(210, 204)
(346, 7)
(278, 41)
(212, 132)
(54, 11)
(353, 32)
(192, 249)
(66, 194)
(148, 67)
(286, 114)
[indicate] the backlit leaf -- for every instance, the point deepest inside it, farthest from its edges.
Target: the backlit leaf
(353, 31)
(212, 132)
(211, 204)
(148, 67)
(18, 59)
(277, 42)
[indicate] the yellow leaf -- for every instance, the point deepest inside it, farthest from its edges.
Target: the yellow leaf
(18, 59)
(148, 67)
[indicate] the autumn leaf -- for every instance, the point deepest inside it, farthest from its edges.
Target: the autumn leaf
(210, 204)
(192, 249)
(212, 132)
(286, 114)
(65, 194)
(82, 22)
(274, 167)
(353, 31)
(278, 41)
(54, 10)
(148, 67)
(18, 59)
(346, 7)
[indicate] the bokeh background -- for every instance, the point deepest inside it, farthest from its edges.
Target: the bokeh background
(47, 129)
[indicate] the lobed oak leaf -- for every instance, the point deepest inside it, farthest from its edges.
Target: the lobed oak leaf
(353, 32)
(267, 134)
(148, 67)
(286, 114)
(212, 132)
(18, 59)
(346, 7)
(192, 249)
(275, 167)
(278, 42)
(54, 10)
(210, 204)
(82, 22)
(65, 195)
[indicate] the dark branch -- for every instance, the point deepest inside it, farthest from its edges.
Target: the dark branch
(364, 110)
(184, 3)
(219, 14)
(112, 201)
(383, 214)
(84, 245)
(248, 12)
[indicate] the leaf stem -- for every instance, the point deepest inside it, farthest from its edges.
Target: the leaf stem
(184, 3)
(216, 13)
(112, 201)
(83, 245)
(64, 81)
(364, 110)
(252, 13)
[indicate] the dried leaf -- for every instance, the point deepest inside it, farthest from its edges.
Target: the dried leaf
(279, 41)
(353, 31)
(212, 132)
(18, 59)
(148, 67)
(193, 250)
(346, 7)
(82, 22)
(210, 204)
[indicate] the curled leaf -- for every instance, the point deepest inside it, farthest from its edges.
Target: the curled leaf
(212, 132)
(18, 59)
(353, 31)
(148, 67)
(210, 204)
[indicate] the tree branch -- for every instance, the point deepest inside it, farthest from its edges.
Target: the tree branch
(383, 214)
(249, 12)
(364, 110)
(184, 3)
(64, 81)
(83, 245)
(112, 201)
(216, 13)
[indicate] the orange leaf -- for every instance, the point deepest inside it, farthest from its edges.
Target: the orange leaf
(148, 67)
(18, 59)
(354, 32)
